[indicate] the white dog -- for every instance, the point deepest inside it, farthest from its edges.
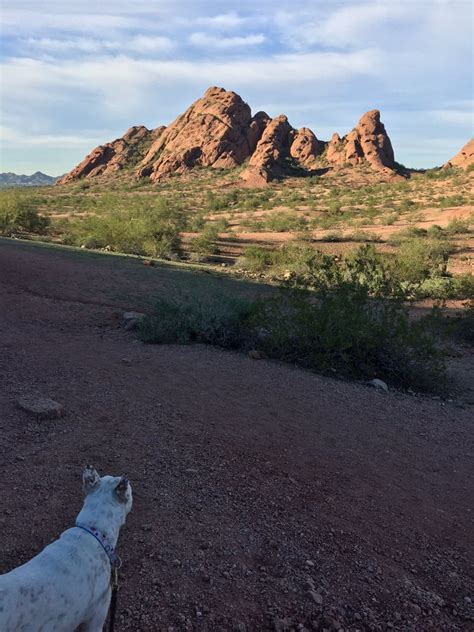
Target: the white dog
(69, 583)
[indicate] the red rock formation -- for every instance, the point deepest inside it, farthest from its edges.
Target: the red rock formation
(368, 142)
(464, 157)
(272, 148)
(306, 147)
(217, 131)
(113, 156)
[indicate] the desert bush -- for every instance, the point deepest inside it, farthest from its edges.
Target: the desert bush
(349, 327)
(256, 259)
(390, 219)
(461, 327)
(217, 203)
(282, 222)
(19, 214)
(348, 332)
(452, 200)
(443, 288)
(458, 226)
(204, 245)
(215, 319)
(421, 258)
(147, 227)
(438, 173)
(435, 231)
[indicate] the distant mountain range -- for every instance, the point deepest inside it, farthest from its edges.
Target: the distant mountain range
(35, 180)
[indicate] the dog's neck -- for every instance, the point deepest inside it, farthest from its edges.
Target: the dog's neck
(107, 519)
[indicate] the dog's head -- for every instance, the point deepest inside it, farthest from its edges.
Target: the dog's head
(115, 490)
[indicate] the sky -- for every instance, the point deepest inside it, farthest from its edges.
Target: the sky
(78, 73)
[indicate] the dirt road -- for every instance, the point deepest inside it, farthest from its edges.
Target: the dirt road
(266, 497)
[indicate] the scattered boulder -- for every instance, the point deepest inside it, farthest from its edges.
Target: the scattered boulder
(130, 320)
(379, 385)
(463, 158)
(41, 407)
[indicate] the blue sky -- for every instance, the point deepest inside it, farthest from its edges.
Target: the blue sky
(77, 73)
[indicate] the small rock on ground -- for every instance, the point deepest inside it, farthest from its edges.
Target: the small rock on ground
(131, 319)
(379, 385)
(41, 407)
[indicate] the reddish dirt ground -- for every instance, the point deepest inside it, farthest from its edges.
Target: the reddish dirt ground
(266, 497)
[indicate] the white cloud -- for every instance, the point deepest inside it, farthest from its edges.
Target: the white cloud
(10, 136)
(139, 43)
(229, 20)
(454, 117)
(28, 79)
(209, 41)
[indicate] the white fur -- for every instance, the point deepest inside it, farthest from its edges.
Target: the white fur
(68, 584)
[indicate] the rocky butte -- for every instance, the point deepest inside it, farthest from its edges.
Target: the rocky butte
(220, 131)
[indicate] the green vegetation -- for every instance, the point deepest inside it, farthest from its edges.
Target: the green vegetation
(204, 245)
(19, 214)
(350, 320)
(148, 227)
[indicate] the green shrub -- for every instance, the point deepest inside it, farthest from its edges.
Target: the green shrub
(421, 258)
(282, 222)
(205, 244)
(440, 173)
(445, 288)
(452, 200)
(218, 203)
(458, 226)
(214, 319)
(256, 259)
(461, 327)
(349, 327)
(435, 231)
(19, 214)
(150, 226)
(349, 332)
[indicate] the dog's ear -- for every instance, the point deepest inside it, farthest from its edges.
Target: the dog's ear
(122, 488)
(90, 479)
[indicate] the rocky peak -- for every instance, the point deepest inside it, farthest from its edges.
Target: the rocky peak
(217, 130)
(464, 157)
(114, 156)
(368, 141)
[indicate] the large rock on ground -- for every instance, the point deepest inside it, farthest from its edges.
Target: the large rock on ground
(368, 141)
(464, 157)
(217, 131)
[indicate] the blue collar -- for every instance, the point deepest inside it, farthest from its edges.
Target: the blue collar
(115, 561)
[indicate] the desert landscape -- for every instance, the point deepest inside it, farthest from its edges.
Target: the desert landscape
(266, 325)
